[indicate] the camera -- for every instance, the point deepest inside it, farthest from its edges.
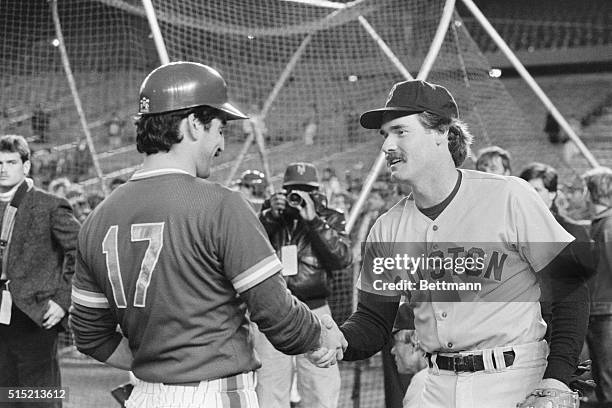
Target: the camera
(296, 201)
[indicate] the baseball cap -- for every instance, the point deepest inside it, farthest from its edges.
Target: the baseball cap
(411, 97)
(304, 174)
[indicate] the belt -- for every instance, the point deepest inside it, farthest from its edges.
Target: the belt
(466, 363)
(3, 284)
(231, 383)
(186, 384)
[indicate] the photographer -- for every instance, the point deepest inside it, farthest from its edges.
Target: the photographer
(310, 239)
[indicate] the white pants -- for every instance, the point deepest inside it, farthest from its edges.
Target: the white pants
(318, 387)
(501, 387)
(208, 394)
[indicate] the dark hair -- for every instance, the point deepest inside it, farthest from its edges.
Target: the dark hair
(489, 152)
(459, 137)
(75, 191)
(15, 144)
(599, 184)
(117, 181)
(157, 133)
(542, 171)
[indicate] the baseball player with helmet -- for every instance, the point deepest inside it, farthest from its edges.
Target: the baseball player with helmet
(480, 325)
(253, 184)
(176, 260)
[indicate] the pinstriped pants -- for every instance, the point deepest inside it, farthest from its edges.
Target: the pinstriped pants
(233, 392)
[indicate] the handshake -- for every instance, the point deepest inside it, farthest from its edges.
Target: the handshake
(332, 344)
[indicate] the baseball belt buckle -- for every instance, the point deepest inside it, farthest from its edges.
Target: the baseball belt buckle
(457, 363)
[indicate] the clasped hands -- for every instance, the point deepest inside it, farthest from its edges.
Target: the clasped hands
(331, 344)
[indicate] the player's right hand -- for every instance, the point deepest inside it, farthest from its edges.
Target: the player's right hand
(278, 203)
(332, 344)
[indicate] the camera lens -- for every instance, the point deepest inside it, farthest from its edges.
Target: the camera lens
(295, 200)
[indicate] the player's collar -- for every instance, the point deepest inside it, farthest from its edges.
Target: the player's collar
(158, 172)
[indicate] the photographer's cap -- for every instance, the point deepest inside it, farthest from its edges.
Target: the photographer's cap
(304, 174)
(409, 98)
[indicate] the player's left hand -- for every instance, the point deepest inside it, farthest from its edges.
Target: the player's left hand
(551, 394)
(53, 315)
(308, 211)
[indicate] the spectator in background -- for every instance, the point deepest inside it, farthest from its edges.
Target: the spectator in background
(114, 127)
(543, 178)
(494, 160)
(253, 184)
(353, 185)
(376, 205)
(59, 186)
(81, 162)
(94, 198)
(310, 240)
(40, 123)
(116, 182)
(599, 336)
(38, 264)
(552, 129)
(572, 201)
(311, 125)
(341, 201)
(409, 358)
(330, 184)
(77, 199)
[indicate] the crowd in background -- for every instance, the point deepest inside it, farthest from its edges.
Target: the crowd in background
(571, 201)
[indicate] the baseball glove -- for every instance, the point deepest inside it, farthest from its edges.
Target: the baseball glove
(550, 398)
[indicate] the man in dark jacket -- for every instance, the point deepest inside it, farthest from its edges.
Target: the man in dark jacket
(310, 239)
(544, 179)
(38, 261)
(599, 336)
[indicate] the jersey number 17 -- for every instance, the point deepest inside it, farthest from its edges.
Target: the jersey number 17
(152, 232)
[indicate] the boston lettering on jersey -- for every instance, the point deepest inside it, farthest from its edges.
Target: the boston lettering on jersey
(473, 261)
(493, 263)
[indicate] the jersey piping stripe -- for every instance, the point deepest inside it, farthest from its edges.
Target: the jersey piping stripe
(257, 273)
(89, 299)
(158, 172)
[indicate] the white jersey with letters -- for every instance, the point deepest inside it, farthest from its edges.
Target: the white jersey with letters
(500, 220)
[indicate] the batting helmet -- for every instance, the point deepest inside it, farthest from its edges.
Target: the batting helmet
(183, 85)
(255, 180)
(303, 174)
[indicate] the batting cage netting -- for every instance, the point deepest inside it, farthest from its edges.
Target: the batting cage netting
(304, 72)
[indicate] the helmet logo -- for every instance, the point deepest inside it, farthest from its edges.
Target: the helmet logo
(301, 169)
(144, 105)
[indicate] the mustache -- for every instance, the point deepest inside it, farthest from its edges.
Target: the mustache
(395, 156)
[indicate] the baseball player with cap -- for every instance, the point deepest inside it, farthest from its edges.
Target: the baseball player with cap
(480, 325)
(176, 260)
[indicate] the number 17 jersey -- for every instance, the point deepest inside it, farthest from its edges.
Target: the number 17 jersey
(166, 255)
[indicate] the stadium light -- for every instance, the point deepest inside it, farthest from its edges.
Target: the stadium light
(250, 36)
(55, 42)
(495, 72)
(353, 78)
